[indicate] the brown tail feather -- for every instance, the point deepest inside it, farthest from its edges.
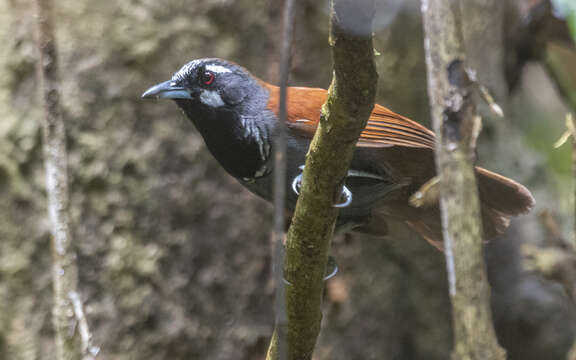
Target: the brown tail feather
(503, 194)
(429, 225)
(501, 199)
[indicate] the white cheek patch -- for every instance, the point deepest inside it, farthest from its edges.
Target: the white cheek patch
(218, 69)
(211, 98)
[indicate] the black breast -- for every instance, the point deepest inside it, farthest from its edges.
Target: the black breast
(225, 138)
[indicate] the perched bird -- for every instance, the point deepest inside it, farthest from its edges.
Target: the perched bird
(237, 115)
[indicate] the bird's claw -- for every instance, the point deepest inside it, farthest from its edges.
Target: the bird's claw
(296, 184)
(346, 193)
(331, 268)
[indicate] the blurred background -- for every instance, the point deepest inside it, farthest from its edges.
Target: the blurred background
(174, 255)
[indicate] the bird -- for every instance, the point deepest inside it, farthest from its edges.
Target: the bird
(237, 114)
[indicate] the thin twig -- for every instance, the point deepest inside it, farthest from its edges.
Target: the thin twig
(64, 267)
(557, 259)
(485, 94)
(281, 318)
(428, 193)
(89, 351)
(570, 132)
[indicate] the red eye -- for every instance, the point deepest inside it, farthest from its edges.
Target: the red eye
(208, 77)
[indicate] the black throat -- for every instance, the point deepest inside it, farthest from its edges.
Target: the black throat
(241, 144)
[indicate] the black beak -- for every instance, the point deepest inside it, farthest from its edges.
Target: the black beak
(166, 90)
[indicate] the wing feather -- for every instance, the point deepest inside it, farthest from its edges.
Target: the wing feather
(385, 128)
(388, 128)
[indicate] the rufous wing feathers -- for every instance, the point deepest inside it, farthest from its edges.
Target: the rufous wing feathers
(501, 197)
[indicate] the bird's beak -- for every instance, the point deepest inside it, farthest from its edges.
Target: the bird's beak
(166, 90)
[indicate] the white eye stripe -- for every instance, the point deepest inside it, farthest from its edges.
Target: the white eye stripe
(218, 69)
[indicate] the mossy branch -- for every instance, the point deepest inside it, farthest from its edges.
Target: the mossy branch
(457, 125)
(350, 102)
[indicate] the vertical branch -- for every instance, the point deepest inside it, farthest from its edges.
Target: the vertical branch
(64, 268)
(457, 126)
(278, 344)
(350, 102)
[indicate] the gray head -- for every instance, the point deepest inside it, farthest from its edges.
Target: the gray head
(229, 108)
(211, 82)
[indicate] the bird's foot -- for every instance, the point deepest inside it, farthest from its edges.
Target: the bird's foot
(331, 268)
(346, 195)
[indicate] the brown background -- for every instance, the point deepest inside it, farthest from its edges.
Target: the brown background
(174, 255)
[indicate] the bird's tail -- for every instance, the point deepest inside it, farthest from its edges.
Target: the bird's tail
(501, 198)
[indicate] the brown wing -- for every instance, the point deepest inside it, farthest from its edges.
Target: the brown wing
(384, 128)
(407, 150)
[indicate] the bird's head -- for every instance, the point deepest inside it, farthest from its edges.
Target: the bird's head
(229, 108)
(209, 84)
